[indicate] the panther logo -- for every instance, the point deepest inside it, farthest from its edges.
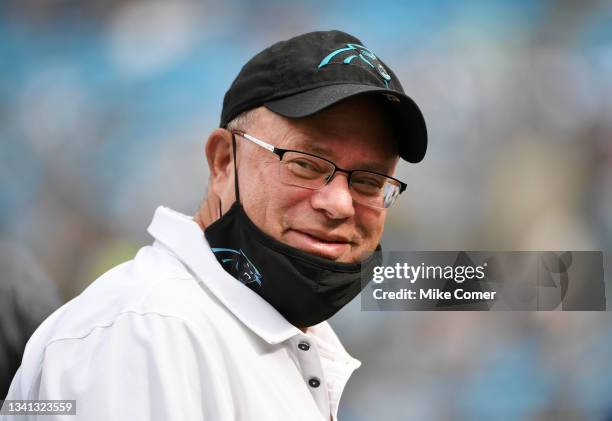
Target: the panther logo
(236, 263)
(362, 54)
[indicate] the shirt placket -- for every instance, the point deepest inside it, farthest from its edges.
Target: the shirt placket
(309, 361)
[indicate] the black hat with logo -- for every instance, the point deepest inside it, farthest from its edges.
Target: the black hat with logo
(308, 73)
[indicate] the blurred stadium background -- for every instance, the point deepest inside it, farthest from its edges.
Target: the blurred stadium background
(105, 106)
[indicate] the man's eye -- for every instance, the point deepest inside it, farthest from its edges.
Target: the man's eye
(307, 165)
(370, 186)
(303, 166)
(369, 182)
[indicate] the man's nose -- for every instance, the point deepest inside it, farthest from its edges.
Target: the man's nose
(335, 198)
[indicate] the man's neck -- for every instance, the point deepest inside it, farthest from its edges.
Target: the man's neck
(205, 215)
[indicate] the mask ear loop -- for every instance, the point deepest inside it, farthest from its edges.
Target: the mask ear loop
(236, 190)
(235, 169)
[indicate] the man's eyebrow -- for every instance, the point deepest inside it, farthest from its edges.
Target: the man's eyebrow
(369, 166)
(310, 146)
(318, 150)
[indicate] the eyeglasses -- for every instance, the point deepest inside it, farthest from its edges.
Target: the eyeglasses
(303, 169)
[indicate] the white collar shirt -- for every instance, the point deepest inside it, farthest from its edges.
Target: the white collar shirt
(170, 335)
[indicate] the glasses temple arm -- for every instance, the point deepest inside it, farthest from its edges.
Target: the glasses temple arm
(257, 141)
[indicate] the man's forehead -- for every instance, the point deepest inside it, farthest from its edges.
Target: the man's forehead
(342, 148)
(354, 134)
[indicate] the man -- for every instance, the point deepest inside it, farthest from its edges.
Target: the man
(223, 317)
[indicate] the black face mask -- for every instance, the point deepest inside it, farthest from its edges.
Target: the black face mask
(304, 288)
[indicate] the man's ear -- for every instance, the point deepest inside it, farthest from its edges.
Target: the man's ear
(220, 161)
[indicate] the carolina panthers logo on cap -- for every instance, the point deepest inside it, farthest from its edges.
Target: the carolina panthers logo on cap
(360, 53)
(238, 265)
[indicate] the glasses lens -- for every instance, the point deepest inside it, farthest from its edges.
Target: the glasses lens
(374, 189)
(302, 170)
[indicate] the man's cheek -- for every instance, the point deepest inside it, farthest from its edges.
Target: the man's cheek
(294, 199)
(372, 227)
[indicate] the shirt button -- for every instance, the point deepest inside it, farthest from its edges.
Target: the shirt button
(304, 346)
(314, 382)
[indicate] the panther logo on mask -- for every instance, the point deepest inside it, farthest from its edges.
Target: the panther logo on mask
(238, 265)
(362, 55)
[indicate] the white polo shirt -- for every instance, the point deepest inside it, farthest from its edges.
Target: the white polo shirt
(170, 335)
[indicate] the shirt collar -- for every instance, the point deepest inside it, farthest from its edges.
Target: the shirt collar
(184, 237)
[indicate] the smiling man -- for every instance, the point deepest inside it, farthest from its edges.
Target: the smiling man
(224, 316)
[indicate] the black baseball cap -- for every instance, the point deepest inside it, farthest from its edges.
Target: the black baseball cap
(310, 72)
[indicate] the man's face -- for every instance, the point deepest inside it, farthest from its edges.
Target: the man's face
(325, 222)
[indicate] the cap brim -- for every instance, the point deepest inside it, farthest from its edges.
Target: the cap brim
(406, 116)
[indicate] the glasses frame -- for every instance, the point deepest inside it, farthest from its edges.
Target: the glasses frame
(280, 152)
